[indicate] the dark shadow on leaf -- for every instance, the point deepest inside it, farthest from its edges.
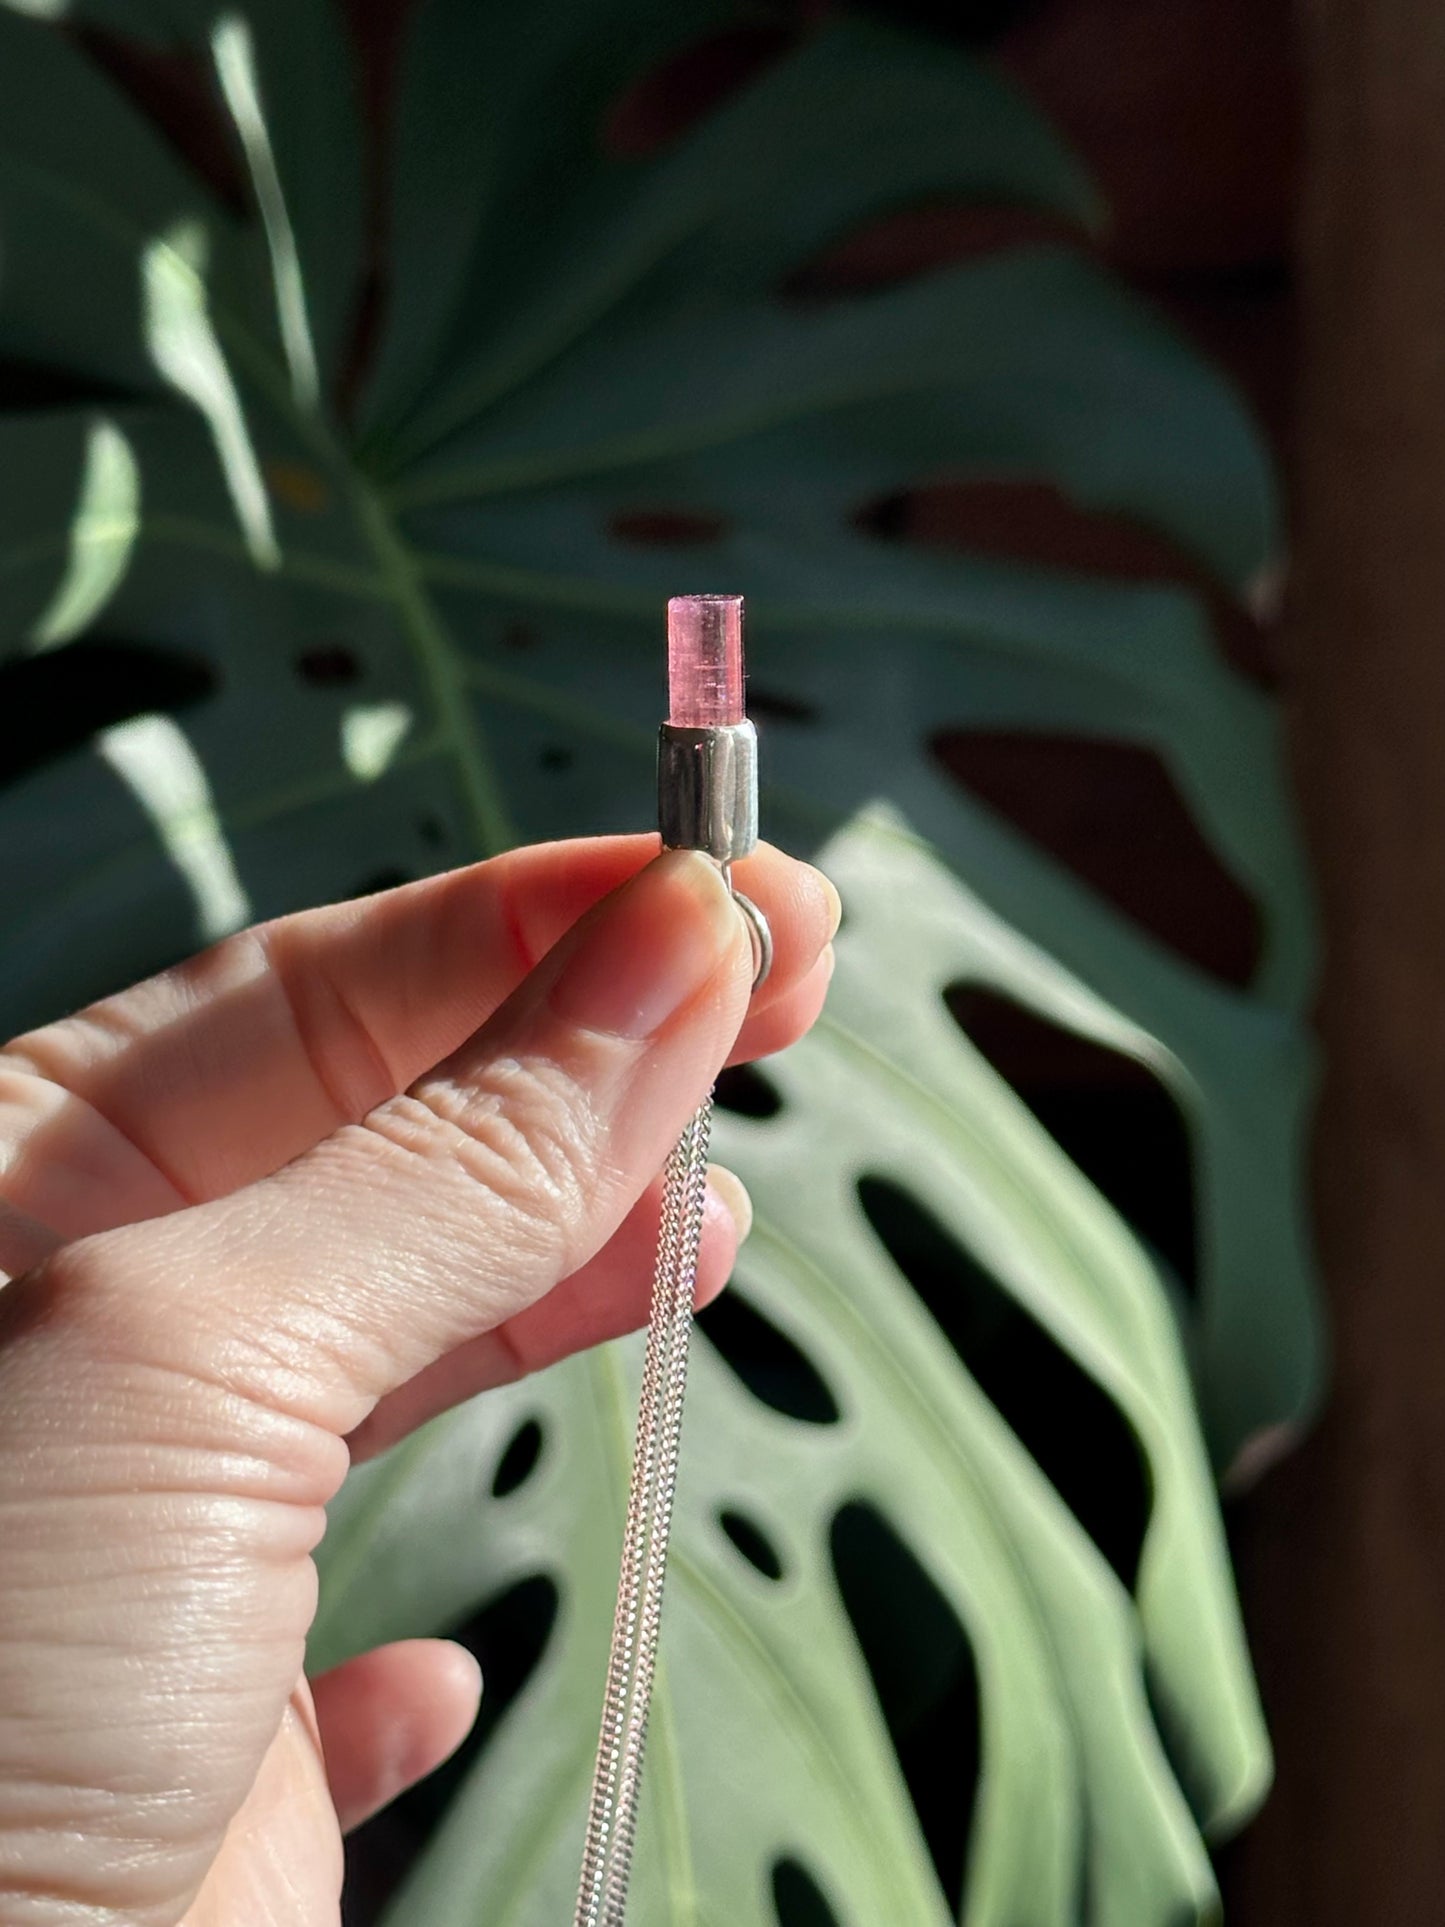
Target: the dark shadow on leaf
(1110, 812)
(57, 701)
(1192, 1768)
(773, 706)
(1111, 1114)
(1065, 1421)
(923, 1672)
(381, 880)
(769, 1364)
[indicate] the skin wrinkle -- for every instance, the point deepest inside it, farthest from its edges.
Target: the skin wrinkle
(178, 1384)
(120, 1034)
(267, 1375)
(590, 1302)
(149, 1850)
(509, 900)
(24, 1242)
(297, 1448)
(487, 1175)
(126, 1424)
(58, 1083)
(65, 1893)
(72, 1890)
(60, 1112)
(527, 1130)
(323, 1062)
(210, 1543)
(261, 1437)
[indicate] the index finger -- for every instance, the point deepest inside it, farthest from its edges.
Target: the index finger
(218, 1072)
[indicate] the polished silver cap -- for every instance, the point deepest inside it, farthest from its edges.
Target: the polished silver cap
(707, 789)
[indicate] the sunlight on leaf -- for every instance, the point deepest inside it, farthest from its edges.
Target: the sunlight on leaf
(107, 518)
(182, 342)
(39, 9)
(152, 757)
(371, 734)
(235, 57)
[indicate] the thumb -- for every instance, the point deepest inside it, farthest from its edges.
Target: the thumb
(456, 1204)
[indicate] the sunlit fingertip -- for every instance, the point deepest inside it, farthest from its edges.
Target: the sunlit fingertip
(733, 1194)
(833, 901)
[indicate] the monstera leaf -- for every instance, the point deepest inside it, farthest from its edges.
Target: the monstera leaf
(327, 522)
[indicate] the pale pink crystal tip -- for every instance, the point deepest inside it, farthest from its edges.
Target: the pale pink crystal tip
(705, 660)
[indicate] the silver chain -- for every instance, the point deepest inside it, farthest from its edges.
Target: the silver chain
(632, 1665)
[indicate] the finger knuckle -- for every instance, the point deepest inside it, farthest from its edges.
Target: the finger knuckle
(522, 1129)
(145, 1394)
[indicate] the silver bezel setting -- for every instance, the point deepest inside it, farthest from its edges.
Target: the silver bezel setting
(707, 789)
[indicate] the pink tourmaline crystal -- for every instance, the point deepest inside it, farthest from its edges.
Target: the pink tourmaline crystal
(705, 660)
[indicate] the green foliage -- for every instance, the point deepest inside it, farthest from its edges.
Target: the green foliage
(572, 336)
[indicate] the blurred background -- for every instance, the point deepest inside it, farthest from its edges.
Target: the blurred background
(1059, 380)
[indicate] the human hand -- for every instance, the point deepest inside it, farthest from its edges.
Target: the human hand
(271, 1210)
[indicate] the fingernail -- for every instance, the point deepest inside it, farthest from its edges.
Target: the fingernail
(649, 948)
(835, 904)
(730, 1191)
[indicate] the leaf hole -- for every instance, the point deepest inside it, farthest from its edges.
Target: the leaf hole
(519, 1461)
(922, 1667)
(772, 705)
(382, 880)
(432, 830)
(55, 702)
(330, 665)
(1111, 813)
(556, 758)
(659, 107)
(1065, 1420)
(899, 246)
(744, 1090)
(770, 1365)
(1112, 1115)
(752, 1542)
(798, 1899)
(666, 529)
